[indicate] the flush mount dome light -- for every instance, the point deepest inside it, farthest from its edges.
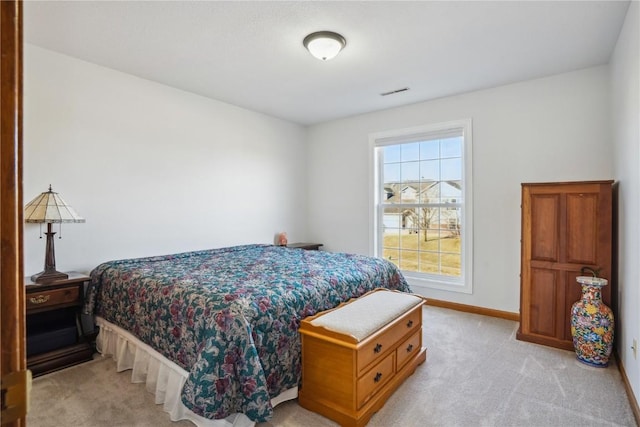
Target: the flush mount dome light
(324, 45)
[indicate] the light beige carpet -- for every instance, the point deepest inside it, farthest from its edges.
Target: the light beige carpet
(476, 374)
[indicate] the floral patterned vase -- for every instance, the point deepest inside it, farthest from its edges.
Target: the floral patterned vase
(592, 324)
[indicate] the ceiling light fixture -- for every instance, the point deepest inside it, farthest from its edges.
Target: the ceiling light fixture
(324, 45)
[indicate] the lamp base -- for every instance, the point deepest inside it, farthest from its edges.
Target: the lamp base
(48, 276)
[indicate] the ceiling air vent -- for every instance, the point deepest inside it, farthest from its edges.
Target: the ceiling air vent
(391, 92)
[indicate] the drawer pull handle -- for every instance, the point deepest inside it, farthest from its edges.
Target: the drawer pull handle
(377, 377)
(409, 348)
(40, 299)
(409, 323)
(377, 348)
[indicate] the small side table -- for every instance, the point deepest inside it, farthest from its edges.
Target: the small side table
(55, 337)
(307, 246)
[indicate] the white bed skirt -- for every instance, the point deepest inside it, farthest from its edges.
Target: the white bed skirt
(163, 378)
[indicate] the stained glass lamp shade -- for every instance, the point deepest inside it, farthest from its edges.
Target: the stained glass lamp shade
(49, 208)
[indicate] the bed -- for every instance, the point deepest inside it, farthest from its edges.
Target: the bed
(225, 321)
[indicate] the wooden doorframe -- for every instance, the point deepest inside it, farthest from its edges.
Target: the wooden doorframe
(12, 296)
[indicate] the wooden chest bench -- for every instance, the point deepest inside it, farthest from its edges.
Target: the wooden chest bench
(356, 355)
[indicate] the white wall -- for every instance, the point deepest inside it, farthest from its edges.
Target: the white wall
(551, 129)
(625, 111)
(153, 169)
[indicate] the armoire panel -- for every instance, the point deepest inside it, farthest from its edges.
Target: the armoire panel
(543, 298)
(544, 225)
(582, 228)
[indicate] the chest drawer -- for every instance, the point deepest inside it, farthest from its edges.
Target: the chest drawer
(53, 297)
(409, 348)
(376, 348)
(369, 384)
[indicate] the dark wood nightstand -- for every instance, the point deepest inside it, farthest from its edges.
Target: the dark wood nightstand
(55, 338)
(307, 246)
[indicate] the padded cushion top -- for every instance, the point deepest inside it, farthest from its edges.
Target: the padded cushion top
(367, 314)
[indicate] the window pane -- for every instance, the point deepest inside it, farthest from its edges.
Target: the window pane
(451, 191)
(387, 194)
(450, 264)
(451, 147)
(429, 263)
(454, 272)
(391, 173)
(391, 153)
(391, 193)
(451, 244)
(450, 252)
(430, 150)
(391, 236)
(410, 171)
(430, 170)
(409, 239)
(426, 217)
(410, 219)
(410, 152)
(451, 226)
(409, 194)
(409, 260)
(451, 169)
(392, 255)
(430, 192)
(391, 222)
(428, 240)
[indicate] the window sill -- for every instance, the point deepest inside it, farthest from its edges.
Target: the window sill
(443, 285)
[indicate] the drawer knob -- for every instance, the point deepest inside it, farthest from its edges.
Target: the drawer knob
(409, 323)
(40, 299)
(377, 348)
(377, 377)
(409, 348)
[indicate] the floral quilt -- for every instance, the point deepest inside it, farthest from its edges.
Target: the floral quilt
(230, 316)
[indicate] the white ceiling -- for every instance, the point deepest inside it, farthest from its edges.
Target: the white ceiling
(250, 53)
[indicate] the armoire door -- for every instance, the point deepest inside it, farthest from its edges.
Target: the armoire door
(565, 227)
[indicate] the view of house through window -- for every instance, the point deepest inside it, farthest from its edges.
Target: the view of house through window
(421, 203)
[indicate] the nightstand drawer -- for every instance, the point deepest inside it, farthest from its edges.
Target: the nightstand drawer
(53, 297)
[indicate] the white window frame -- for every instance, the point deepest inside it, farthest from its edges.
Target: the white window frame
(464, 283)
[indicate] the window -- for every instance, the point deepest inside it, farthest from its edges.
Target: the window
(422, 203)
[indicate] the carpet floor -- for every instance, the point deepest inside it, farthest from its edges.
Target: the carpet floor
(476, 374)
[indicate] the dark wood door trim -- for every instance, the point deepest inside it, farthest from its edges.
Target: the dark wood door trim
(12, 299)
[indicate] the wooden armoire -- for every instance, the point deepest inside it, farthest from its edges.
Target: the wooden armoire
(565, 226)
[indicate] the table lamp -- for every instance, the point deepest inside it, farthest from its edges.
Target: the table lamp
(49, 208)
